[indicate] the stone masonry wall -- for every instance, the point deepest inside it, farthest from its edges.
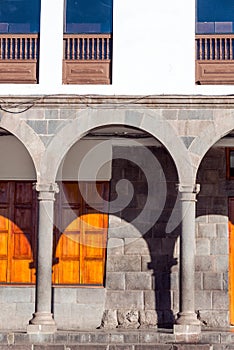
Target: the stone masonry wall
(212, 300)
(142, 266)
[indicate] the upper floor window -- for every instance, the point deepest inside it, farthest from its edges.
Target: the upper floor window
(87, 42)
(19, 41)
(88, 16)
(20, 16)
(215, 16)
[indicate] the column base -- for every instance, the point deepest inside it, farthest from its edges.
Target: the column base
(188, 318)
(187, 333)
(42, 322)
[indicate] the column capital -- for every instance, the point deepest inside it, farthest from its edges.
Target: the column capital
(189, 188)
(46, 191)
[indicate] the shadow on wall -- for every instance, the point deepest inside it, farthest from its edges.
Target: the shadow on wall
(212, 240)
(143, 269)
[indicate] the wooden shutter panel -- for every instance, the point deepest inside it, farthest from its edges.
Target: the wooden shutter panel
(18, 218)
(80, 234)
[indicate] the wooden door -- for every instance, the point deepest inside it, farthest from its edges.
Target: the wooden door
(18, 218)
(231, 258)
(80, 234)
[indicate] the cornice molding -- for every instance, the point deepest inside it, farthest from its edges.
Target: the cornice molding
(120, 102)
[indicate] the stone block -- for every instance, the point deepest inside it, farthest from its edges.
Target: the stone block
(124, 263)
(138, 281)
(206, 230)
(150, 300)
(109, 319)
(136, 246)
(16, 295)
(148, 319)
(222, 230)
(69, 113)
(48, 347)
(78, 316)
(219, 246)
(203, 300)
(128, 319)
(54, 126)
(192, 347)
(202, 246)
(17, 347)
(86, 347)
(149, 337)
(221, 263)
(132, 300)
(52, 113)
(215, 218)
(220, 300)
(154, 347)
(204, 263)
(120, 347)
(91, 296)
(115, 246)
(198, 280)
(195, 114)
(212, 281)
(64, 295)
(115, 280)
(175, 301)
(210, 337)
(214, 318)
(39, 126)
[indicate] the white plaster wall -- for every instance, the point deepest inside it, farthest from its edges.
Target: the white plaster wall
(153, 51)
(16, 163)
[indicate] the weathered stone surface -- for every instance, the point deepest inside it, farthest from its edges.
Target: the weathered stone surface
(109, 319)
(124, 300)
(148, 319)
(124, 263)
(138, 281)
(220, 300)
(128, 319)
(212, 281)
(214, 318)
(115, 280)
(203, 300)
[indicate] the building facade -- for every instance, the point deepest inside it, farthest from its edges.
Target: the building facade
(116, 184)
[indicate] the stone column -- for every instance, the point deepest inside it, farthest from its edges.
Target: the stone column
(42, 321)
(187, 322)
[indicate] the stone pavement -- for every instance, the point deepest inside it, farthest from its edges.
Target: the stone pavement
(116, 340)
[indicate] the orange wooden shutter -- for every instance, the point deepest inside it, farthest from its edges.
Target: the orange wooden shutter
(80, 234)
(18, 212)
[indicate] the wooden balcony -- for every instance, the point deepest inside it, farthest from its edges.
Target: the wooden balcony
(215, 59)
(19, 58)
(87, 58)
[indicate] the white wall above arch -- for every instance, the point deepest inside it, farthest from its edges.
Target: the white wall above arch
(16, 163)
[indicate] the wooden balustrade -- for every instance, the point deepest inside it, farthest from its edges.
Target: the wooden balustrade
(19, 58)
(215, 59)
(87, 58)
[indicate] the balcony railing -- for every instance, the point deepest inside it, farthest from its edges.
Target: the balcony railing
(215, 59)
(87, 58)
(19, 58)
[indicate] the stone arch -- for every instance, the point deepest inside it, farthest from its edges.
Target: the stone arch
(150, 122)
(30, 140)
(209, 136)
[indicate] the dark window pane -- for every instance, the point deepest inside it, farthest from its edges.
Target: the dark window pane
(89, 16)
(19, 16)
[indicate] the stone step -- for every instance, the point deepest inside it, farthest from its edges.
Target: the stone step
(109, 347)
